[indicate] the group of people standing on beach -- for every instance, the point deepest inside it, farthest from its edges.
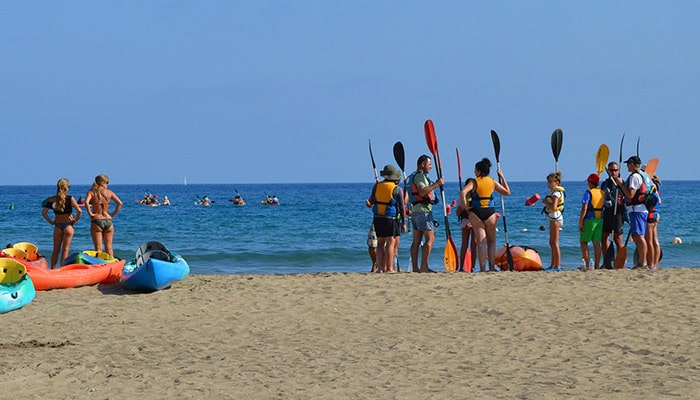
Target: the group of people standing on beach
(97, 204)
(391, 207)
(603, 213)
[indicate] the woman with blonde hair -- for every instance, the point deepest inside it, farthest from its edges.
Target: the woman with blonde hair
(97, 203)
(62, 205)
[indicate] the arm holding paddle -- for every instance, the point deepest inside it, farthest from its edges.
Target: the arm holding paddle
(426, 190)
(502, 185)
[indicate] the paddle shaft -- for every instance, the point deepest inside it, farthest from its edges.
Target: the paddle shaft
(374, 166)
(497, 150)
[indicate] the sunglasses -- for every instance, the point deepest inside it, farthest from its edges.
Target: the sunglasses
(613, 170)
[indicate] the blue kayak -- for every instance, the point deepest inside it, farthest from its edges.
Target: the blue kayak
(153, 268)
(16, 287)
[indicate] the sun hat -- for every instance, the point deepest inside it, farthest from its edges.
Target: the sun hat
(634, 160)
(391, 173)
(593, 178)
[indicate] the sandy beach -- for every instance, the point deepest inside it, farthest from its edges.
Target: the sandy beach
(608, 334)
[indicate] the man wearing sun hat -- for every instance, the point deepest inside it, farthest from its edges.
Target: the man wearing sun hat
(635, 189)
(590, 222)
(386, 201)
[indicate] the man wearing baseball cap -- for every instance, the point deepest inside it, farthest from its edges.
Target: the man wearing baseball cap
(590, 222)
(635, 189)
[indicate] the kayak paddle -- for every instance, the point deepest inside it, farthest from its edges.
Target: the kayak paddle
(497, 149)
(651, 167)
(557, 137)
(374, 166)
(601, 158)
(466, 264)
(450, 256)
(400, 157)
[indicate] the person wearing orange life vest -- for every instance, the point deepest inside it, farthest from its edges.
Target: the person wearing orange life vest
(590, 222)
(422, 199)
(635, 190)
(482, 214)
(386, 201)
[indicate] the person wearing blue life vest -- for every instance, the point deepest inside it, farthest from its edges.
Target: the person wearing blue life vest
(635, 189)
(386, 201)
(422, 199)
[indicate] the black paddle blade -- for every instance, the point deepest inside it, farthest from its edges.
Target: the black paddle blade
(622, 141)
(400, 155)
(496, 144)
(557, 139)
(509, 257)
(638, 146)
(371, 155)
(609, 257)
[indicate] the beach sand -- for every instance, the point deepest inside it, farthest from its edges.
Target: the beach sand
(606, 334)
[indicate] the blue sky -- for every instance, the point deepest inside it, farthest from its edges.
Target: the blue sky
(290, 91)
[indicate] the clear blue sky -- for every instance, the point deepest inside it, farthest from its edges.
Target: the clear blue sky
(290, 91)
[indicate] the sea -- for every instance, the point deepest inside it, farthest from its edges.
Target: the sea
(317, 227)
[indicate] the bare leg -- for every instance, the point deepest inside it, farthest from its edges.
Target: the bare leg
(479, 232)
(585, 254)
(417, 237)
(425, 252)
(554, 243)
(67, 240)
(108, 235)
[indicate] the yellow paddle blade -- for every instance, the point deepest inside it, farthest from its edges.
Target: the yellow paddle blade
(651, 167)
(601, 158)
(451, 256)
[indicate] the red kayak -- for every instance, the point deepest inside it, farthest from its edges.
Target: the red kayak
(75, 275)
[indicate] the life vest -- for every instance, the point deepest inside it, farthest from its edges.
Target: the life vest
(482, 196)
(560, 206)
(640, 196)
(384, 202)
(610, 190)
(414, 194)
(596, 202)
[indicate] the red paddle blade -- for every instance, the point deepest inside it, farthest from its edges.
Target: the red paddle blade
(467, 265)
(459, 168)
(430, 137)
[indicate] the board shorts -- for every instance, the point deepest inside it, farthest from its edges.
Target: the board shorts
(638, 223)
(423, 221)
(386, 226)
(592, 230)
(613, 223)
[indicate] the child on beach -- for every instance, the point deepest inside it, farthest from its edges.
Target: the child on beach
(553, 208)
(590, 223)
(372, 247)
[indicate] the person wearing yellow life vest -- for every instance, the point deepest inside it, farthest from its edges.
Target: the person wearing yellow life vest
(386, 201)
(553, 208)
(482, 214)
(590, 223)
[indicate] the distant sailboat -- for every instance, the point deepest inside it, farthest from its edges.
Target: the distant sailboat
(185, 181)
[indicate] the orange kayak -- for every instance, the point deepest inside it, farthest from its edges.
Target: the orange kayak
(75, 275)
(524, 258)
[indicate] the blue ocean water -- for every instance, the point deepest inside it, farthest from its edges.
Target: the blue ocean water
(317, 227)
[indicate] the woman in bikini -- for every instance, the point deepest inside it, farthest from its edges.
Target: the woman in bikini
(62, 205)
(482, 214)
(97, 206)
